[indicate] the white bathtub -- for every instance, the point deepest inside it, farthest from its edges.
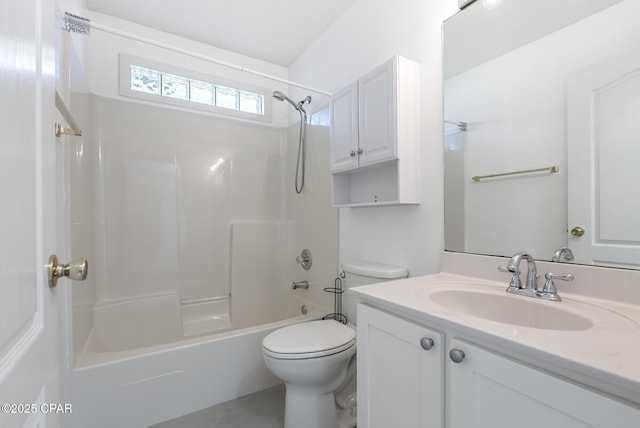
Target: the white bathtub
(115, 385)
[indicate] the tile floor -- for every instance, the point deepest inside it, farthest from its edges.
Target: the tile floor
(264, 409)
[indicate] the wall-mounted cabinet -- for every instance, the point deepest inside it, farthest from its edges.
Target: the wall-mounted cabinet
(375, 137)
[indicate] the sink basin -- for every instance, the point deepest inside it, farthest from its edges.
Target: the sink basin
(507, 309)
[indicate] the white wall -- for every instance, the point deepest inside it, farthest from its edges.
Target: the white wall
(369, 33)
(104, 48)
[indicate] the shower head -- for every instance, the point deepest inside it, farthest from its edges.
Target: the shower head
(298, 106)
(279, 95)
(282, 97)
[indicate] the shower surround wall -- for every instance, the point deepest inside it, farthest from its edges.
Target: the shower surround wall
(173, 182)
(188, 207)
(177, 194)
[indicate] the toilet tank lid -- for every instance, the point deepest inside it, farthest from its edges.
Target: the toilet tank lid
(374, 270)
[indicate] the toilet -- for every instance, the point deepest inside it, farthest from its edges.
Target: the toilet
(360, 272)
(316, 359)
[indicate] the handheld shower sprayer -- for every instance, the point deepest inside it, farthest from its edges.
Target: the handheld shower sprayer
(298, 106)
(302, 144)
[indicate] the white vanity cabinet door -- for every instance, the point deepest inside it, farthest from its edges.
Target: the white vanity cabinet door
(343, 133)
(488, 390)
(400, 384)
(377, 108)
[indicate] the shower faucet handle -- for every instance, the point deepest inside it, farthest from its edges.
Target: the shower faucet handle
(305, 259)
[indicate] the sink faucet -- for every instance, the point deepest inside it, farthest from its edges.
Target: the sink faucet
(530, 289)
(532, 272)
(562, 251)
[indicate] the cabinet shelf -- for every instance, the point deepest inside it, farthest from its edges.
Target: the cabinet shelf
(375, 185)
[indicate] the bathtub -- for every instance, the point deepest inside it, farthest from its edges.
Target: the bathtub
(191, 357)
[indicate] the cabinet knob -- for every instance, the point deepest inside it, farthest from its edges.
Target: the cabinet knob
(426, 343)
(352, 153)
(456, 355)
(359, 151)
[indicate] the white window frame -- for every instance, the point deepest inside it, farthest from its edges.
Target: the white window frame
(126, 61)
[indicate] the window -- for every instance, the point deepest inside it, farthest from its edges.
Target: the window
(140, 78)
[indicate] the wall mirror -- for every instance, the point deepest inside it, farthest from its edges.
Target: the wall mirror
(542, 130)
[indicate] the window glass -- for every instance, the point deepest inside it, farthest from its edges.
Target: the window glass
(175, 86)
(145, 80)
(227, 97)
(201, 92)
(149, 81)
(250, 102)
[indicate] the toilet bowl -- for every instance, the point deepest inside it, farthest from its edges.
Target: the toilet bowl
(316, 359)
(312, 358)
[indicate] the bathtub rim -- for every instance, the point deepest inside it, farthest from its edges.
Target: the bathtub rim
(90, 359)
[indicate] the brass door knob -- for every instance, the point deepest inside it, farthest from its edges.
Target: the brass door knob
(76, 270)
(577, 231)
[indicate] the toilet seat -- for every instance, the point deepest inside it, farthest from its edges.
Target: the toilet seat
(312, 339)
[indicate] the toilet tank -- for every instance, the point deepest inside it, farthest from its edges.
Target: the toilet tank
(359, 272)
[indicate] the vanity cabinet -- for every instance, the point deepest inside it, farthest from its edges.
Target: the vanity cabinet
(400, 384)
(375, 137)
(489, 390)
(400, 372)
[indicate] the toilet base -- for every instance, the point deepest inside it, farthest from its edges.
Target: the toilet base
(347, 418)
(303, 410)
(306, 408)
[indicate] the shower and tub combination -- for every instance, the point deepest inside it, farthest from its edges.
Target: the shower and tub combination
(182, 218)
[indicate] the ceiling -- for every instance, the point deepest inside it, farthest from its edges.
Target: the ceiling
(277, 31)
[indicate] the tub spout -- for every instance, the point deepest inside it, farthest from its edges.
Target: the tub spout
(299, 284)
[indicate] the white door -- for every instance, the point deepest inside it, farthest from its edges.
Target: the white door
(603, 113)
(29, 350)
(400, 372)
(487, 390)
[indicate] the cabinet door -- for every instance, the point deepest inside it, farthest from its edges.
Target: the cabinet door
(400, 384)
(343, 134)
(377, 113)
(488, 390)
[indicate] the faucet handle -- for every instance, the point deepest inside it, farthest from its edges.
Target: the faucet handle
(549, 291)
(515, 279)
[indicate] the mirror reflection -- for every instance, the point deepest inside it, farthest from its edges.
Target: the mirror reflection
(542, 147)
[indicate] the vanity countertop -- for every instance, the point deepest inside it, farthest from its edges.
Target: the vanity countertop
(605, 356)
